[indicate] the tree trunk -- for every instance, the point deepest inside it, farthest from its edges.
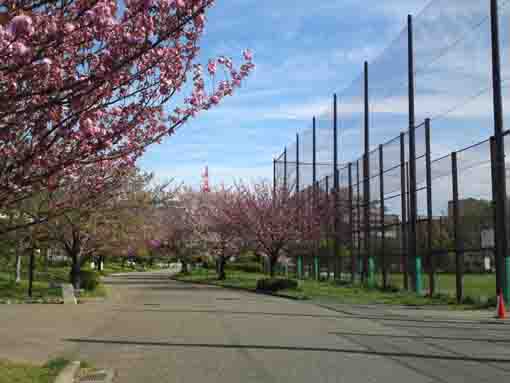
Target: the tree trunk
(272, 264)
(221, 268)
(99, 261)
(75, 272)
(18, 268)
(31, 272)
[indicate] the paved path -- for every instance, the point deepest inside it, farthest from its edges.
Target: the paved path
(156, 330)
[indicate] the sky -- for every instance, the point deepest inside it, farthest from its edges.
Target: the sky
(306, 51)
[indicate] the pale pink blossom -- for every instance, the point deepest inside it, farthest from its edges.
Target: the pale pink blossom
(21, 25)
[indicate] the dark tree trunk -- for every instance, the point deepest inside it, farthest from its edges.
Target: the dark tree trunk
(31, 272)
(75, 272)
(272, 264)
(99, 261)
(184, 269)
(221, 268)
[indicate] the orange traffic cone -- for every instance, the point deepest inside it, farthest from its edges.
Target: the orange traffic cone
(501, 307)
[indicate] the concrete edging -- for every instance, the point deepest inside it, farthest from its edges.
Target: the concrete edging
(68, 373)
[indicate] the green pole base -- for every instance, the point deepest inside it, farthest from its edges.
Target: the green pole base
(316, 267)
(418, 270)
(371, 272)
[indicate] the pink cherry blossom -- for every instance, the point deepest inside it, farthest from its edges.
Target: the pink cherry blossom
(211, 67)
(21, 25)
(100, 86)
(248, 56)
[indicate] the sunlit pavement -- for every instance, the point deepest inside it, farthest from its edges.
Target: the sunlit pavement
(153, 329)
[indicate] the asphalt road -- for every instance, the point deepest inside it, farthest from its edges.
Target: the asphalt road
(153, 329)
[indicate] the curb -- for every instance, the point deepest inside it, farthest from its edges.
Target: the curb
(284, 296)
(68, 373)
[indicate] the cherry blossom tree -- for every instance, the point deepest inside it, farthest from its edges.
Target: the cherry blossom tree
(216, 223)
(100, 225)
(90, 82)
(274, 220)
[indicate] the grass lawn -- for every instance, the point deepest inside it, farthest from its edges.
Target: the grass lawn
(41, 286)
(310, 289)
(25, 373)
(116, 267)
(474, 285)
(42, 278)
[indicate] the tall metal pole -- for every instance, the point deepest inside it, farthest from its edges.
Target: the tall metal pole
(297, 167)
(328, 224)
(314, 179)
(382, 217)
(403, 188)
(274, 179)
(412, 164)
(351, 230)
(285, 171)
(314, 152)
(369, 261)
(459, 262)
(498, 263)
(336, 185)
(501, 238)
(431, 260)
(358, 220)
(298, 201)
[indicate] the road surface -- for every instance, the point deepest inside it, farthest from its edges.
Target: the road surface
(152, 329)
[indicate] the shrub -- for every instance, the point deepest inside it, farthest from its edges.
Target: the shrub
(89, 280)
(275, 284)
(248, 267)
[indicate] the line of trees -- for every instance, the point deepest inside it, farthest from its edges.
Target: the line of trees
(85, 88)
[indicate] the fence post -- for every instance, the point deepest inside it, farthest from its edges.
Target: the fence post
(403, 229)
(299, 270)
(351, 230)
(314, 180)
(335, 186)
(285, 171)
(382, 217)
(369, 262)
(500, 179)
(328, 224)
(358, 221)
(497, 258)
(317, 258)
(456, 233)
(431, 260)
(412, 165)
(274, 179)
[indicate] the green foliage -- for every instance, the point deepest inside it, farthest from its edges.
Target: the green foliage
(249, 267)
(275, 284)
(25, 373)
(89, 280)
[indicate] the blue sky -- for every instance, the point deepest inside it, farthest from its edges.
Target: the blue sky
(304, 52)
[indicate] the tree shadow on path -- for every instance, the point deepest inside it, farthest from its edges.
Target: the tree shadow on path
(287, 348)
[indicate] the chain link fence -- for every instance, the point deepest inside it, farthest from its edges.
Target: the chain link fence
(419, 210)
